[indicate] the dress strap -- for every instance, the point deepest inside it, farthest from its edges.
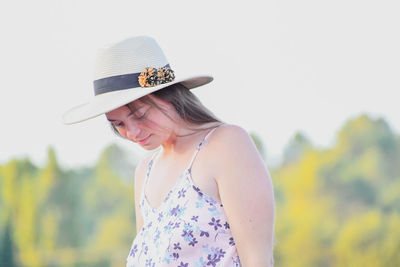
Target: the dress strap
(149, 167)
(156, 154)
(201, 144)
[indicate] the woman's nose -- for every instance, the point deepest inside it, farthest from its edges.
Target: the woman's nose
(132, 132)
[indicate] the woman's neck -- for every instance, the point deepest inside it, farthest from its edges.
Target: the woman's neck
(183, 140)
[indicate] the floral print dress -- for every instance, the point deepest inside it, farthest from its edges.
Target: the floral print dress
(189, 228)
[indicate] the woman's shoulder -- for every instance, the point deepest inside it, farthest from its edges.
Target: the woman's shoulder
(224, 129)
(229, 135)
(226, 139)
(229, 147)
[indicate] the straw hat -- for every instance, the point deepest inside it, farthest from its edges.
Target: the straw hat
(126, 71)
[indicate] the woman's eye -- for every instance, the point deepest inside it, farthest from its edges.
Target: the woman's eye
(140, 116)
(118, 124)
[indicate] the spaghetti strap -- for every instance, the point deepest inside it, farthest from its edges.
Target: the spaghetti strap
(185, 209)
(155, 154)
(200, 145)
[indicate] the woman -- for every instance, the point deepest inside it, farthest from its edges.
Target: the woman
(205, 198)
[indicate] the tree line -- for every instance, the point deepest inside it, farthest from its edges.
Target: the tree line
(336, 206)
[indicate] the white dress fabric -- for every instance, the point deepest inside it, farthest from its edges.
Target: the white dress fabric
(189, 228)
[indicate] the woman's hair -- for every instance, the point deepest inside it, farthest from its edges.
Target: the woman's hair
(186, 104)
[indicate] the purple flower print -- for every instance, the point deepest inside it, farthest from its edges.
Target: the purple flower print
(177, 246)
(195, 218)
(204, 233)
(212, 259)
(210, 200)
(219, 252)
(199, 204)
(133, 251)
(148, 262)
(226, 224)
(201, 143)
(214, 211)
(177, 224)
(176, 255)
(169, 194)
(187, 233)
(215, 256)
(181, 193)
(160, 215)
(157, 236)
(197, 190)
(183, 264)
(236, 260)
(175, 210)
(215, 223)
(187, 226)
(146, 248)
(193, 242)
(168, 226)
(231, 241)
(200, 262)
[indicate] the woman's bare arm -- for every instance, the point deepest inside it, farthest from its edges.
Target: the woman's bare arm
(246, 192)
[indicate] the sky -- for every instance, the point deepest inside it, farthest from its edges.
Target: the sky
(279, 67)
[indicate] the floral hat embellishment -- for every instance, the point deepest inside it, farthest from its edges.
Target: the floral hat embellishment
(151, 76)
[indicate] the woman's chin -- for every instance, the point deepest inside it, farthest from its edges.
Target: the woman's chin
(150, 146)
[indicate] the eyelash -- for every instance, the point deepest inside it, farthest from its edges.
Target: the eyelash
(140, 118)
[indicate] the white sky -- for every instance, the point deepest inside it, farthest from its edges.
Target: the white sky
(279, 66)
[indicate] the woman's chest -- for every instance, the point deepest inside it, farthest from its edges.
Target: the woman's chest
(162, 180)
(186, 223)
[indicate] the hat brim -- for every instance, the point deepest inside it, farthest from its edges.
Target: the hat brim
(106, 102)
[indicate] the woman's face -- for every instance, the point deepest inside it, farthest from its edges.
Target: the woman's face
(147, 125)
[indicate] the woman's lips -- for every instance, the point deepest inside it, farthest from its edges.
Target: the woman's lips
(143, 141)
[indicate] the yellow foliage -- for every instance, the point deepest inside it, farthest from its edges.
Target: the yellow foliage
(112, 233)
(49, 232)
(9, 175)
(369, 240)
(306, 220)
(25, 231)
(320, 219)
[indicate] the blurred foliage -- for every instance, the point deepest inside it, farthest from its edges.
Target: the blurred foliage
(340, 206)
(334, 207)
(55, 217)
(259, 144)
